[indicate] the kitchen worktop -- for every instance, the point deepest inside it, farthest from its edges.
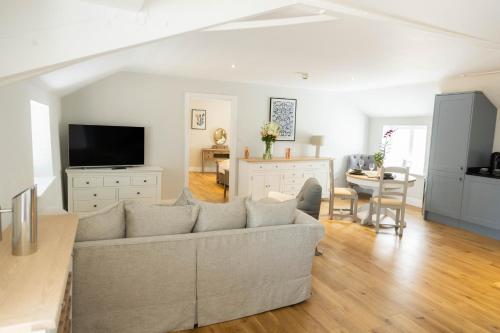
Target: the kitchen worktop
(488, 174)
(33, 286)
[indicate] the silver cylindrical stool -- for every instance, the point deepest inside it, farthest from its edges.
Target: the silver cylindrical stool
(24, 222)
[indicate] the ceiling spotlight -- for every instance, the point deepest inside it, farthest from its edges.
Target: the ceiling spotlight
(233, 66)
(321, 11)
(304, 75)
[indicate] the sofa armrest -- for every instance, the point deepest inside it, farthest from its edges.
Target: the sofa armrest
(303, 218)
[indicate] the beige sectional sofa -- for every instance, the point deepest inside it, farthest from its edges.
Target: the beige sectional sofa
(174, 282)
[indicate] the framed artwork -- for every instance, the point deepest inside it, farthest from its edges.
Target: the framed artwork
(283, 111)
(199, 119)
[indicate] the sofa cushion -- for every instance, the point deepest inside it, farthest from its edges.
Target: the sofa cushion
(184, 197)
(153, 220)
(263, 214)
(221, 216)
(108, 223)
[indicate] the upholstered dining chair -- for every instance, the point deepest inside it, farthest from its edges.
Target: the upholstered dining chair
(391, 195)
(352, 163)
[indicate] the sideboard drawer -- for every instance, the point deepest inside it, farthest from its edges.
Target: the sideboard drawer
(292, 189)
(87, 181)
(95, 193)
(116, 181)
(137, 193)
(297, 181)
(266, 166)
(91, 205)
(143, 180)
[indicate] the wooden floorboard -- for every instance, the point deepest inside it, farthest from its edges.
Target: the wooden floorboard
(434, 279)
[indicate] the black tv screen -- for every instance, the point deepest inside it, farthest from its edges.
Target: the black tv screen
(94, 145)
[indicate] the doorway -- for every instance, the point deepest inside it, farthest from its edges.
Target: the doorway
(210, 149)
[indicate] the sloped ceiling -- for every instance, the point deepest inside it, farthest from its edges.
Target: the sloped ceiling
(345, 45)
(40, 36)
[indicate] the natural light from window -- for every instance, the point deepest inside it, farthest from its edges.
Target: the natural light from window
(408, 147)
(42, 147)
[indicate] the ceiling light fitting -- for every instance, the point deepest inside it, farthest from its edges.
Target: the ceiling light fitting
(304, 75)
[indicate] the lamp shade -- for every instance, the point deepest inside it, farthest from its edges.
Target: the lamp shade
(317, 140)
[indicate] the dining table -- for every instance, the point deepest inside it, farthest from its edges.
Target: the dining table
(370, 180)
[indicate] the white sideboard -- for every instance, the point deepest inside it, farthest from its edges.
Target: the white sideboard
(93, 189)
(257, 177)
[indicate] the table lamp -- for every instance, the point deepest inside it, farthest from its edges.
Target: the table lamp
(318, 141)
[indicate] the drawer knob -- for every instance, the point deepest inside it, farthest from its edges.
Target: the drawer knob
(87, 183)
(145, 181)
(95, 194)
(118, 182)
(95, 206)
(138, 193)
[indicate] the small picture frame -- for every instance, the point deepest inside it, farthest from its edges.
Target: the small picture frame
(283, 111)
(198, 119)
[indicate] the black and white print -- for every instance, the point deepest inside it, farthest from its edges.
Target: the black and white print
(199, 119)
(283, 111)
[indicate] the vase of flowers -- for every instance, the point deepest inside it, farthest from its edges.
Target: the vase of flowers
(268, 133)
(379, 156)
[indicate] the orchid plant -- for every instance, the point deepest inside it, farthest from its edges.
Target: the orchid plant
(383, 148)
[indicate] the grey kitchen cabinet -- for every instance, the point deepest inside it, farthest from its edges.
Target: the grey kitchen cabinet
(444, 193)
(450, 132)
(481, 201)
(462, 137)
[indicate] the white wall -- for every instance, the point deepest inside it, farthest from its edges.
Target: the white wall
(488, 84)
(416, 192)
(157, 102)
(218, 116)
(16, 167)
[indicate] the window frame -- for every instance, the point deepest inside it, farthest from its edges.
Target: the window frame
(44, 180)
(412, 128)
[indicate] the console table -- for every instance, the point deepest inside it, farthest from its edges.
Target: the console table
(35, 293)
(213, 154)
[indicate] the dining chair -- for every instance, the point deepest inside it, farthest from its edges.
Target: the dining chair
(345, 193)
(391, 194)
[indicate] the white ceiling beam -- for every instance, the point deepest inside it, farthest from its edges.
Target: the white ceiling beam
(132, 5)
(254, 24)
(338, 8)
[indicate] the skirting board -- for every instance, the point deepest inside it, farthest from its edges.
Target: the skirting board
(484, 231)
(414, 202)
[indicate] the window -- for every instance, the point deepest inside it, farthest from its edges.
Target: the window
(407, 147)
(42, 146)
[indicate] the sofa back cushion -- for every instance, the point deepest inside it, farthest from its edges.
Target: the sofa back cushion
(263, 214)
(108, 223)
(153, 220)
(221, 216)
(184, 197)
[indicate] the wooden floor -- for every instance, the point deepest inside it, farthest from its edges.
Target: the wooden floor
(204, 187)
(435, 279)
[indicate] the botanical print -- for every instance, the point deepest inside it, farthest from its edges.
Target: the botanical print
(283, 112)
(199, 119)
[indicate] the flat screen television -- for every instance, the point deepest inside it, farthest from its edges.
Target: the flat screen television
(99, 146)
